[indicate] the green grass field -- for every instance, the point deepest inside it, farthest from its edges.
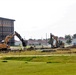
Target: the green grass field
(38, 65)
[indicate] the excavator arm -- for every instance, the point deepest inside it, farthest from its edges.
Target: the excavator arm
(24, 43)
(51, 40)
(8, 37)
(58, 43)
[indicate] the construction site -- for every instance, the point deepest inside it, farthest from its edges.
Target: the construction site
(37, 37)
(7, 41)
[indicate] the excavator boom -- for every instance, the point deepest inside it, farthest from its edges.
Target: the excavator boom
(8, 37)
(24, 43)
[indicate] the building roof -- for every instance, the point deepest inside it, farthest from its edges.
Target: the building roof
(1, 18)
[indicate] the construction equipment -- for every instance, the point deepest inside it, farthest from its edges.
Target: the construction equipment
(55, 42)
(24, 42)
(4, 44)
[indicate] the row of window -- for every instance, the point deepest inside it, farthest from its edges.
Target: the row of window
(10, 42)
(6, 22)
(5, 33)
(3, 37)
(6, 29)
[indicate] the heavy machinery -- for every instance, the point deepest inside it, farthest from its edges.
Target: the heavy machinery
(4, 44)
(24, 42)
(55, 42)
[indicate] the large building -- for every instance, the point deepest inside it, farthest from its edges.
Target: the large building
(6, 28)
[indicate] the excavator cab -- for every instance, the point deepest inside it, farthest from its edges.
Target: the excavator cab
(2, 41)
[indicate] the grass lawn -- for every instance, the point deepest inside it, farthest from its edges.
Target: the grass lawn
(49, 65)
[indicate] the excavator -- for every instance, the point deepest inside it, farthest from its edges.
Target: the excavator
(4, 44)
(55, 42)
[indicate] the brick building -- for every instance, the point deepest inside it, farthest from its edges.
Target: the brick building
(6, 28)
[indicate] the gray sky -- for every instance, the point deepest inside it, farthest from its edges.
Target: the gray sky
(35, 18)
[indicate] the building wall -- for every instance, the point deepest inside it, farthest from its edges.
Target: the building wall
(74, 41)
(6, 28)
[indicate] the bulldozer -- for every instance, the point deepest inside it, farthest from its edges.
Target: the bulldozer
(55, 42)
(4, 43)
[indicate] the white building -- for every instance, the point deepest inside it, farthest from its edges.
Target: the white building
(17, 43)
(74, 41)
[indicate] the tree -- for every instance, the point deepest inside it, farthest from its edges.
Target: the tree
(74, 36)
(68, 39)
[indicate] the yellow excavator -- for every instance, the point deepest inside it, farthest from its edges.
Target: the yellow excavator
(55, 42)
(4, 44)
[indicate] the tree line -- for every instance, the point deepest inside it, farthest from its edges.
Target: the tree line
(69, 38)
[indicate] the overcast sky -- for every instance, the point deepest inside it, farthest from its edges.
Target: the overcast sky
(35, 18)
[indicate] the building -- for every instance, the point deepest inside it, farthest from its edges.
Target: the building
(37, 42)
(6, 28)
(74, 41)
(62, 39)
(18, 43)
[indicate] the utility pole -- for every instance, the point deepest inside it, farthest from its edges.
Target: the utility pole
(46, 38)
